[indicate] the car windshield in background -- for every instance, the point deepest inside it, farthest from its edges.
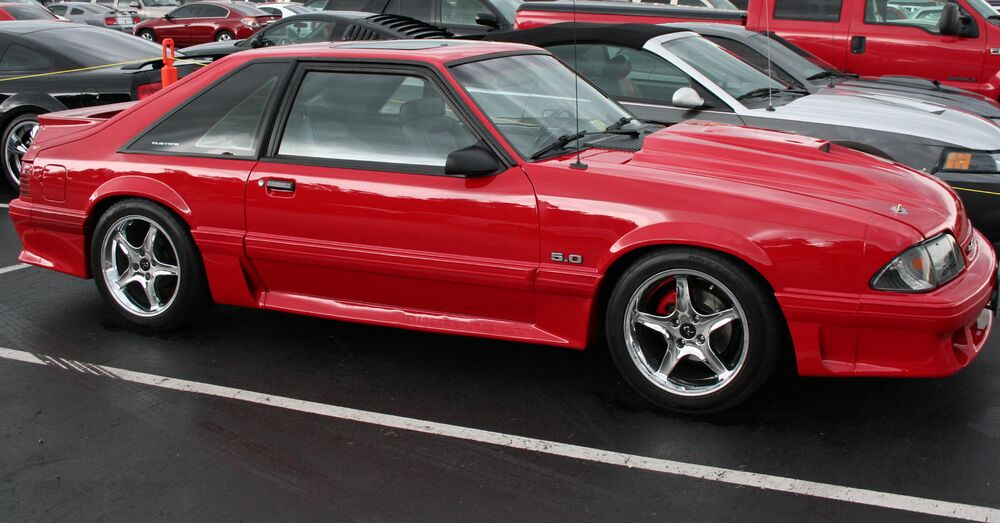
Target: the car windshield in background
(733, 75)
(530, 99)
(297, 8)
(161, 3)
(780, 53)
(247, 10)
(90, 46)
(507, 8)
(983, 8)
(28, 12)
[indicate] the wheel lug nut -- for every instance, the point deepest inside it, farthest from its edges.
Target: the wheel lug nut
(680, 343)
(701, 339)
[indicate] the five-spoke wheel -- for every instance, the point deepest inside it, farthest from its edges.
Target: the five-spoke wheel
(692, 330)
(17, 138)
(147, 266)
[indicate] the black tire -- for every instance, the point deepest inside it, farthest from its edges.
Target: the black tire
(191, 297)
(224, 36)
(762, 340)
(12, 171)
(147, 34)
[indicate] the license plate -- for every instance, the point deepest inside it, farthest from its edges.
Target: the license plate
(124, 20)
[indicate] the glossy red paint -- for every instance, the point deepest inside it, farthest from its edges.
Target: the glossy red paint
(471, 255)
(193, 30)
(849, 42)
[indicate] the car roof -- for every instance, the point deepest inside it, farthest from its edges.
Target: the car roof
(643, 9)
(23, 27)
(627, 35)
(439, 52)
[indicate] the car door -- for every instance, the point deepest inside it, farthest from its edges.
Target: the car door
(887, 42)
(352, 213)
(177, 24)
(203, 28)
(642, 81)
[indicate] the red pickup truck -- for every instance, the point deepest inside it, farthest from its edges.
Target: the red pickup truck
(956, 42)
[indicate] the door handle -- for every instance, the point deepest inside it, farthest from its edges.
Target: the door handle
(279, 185)
(858, 44)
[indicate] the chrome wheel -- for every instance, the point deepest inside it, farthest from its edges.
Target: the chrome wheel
(224, 37)
(686, 332)
(147, 35)
(140, 266)
(19, 139)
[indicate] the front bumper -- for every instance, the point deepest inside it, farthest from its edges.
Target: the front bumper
(902, 335)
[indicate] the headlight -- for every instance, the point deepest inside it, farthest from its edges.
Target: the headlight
(923, 267)
(971, 161)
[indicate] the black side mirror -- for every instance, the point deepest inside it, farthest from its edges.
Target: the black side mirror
(474, 160)
(950, 23)
(489, 20)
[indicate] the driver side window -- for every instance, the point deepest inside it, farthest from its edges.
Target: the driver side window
(300, 32)
(357, 118)
(462, 12)
(625, 73)
(888, 12)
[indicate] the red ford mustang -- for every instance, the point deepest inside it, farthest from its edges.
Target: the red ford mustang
(201, 22)
(435, 185)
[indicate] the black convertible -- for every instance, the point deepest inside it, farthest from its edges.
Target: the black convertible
(30, 50)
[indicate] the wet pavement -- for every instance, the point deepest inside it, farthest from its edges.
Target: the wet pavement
(82, 446)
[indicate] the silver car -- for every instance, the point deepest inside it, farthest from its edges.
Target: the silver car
(96, 14)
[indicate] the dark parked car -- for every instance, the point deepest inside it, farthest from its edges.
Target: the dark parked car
(96, 14)
(323, 26)
(36, 48)
(461, 17)
(202, 22)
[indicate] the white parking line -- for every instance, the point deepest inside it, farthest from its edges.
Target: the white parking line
(13, 268)
(677, 468)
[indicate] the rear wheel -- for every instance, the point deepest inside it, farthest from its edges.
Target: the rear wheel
(693, 331)
(17, 138)
(147, 267)
(224, 36)
(146, 34)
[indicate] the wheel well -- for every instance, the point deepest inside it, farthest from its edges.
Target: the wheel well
(102, 207)
(619, 266)
(14, 112)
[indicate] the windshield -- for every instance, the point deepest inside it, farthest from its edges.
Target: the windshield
(733, 75)
(161, 3)
(247, 10)
(529, 98)
(91, 46)
(28, 12)
(983, 8)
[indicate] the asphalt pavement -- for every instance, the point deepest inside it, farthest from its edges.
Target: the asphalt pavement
(79, 442)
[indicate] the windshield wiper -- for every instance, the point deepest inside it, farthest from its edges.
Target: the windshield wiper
(831, 74)
(763, 91)
(564, 140)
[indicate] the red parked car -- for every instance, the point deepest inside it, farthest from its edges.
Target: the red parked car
(953, 42)
(443, 186)
(202, 22)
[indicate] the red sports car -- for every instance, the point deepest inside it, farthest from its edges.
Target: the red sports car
(201, 22)
(444, 186)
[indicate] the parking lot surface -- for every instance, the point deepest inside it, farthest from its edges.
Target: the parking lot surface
(79, 442)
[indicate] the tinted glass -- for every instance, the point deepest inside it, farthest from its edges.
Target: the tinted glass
(421, 10)
(76, 11)
(243, 9)
(301, 32)
(356, 117)
(462, 12)
(58, 9)
(530, 99)
(28, 12)
(90, 46)
(188, 11)
(157, 3)
(224, 120)
(779, 55)
(625, 73)
(315, 5)
(815, 10)
(271, 11)
(925, 17)
(214, 11)
(20, 58)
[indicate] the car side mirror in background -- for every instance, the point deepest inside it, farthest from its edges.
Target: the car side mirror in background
(489, 20)
(474, 160)
(687, 98)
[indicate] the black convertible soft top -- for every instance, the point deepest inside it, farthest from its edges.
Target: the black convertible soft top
(630, 8)
(626, 35)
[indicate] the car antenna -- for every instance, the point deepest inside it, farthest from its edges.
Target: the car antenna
(578, 164)
(767, 47)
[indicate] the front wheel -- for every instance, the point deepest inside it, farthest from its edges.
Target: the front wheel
(146, 34)
(17, 138)
(224, 36)
(147, 267)
(693, 331)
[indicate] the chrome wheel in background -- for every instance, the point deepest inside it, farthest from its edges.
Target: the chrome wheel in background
(140, 266)
(17, 140)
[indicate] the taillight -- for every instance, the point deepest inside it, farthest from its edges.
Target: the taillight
(24, 180)
(250, 22)
(110, 20)
(147, 90)
(135, 19)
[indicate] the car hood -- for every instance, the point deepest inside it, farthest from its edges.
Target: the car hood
(212, 49)
(806, 166)
(955, 98)
(887, 113)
